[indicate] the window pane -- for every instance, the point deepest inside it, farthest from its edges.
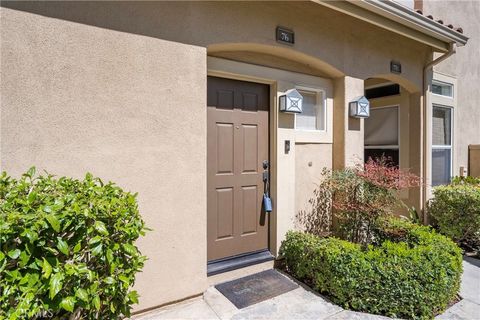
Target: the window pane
(312, 116)
(443, 89)
(441, 126)
(391, 154)
(381, 128)
(441, 164)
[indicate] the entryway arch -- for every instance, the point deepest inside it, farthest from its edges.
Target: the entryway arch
(394, 128)
(275, 57)
(405, 83)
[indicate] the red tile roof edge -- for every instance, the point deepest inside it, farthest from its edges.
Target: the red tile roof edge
(458, 29)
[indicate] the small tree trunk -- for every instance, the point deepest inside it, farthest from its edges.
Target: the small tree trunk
(76, 315)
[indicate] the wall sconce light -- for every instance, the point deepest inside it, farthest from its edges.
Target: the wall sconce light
(291, 101)
(360, 108)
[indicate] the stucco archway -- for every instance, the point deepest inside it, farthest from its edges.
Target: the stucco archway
(408, 85)
(274, 56)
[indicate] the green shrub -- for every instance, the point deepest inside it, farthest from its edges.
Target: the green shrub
(456, 211)
(416, 278)
(466, 180)
(67, 248)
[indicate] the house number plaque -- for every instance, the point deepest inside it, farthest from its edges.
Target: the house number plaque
(285, 36)
(395, 67)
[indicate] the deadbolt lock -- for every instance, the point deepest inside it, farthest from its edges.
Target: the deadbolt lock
(265, 164)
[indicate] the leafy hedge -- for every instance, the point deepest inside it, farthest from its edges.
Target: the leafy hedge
(415, 278)
(67, 248)
(456, 210)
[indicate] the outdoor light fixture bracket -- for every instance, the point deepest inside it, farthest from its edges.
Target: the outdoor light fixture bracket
(291, 101)
(359, 108)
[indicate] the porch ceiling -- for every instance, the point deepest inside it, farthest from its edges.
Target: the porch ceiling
(401, 20)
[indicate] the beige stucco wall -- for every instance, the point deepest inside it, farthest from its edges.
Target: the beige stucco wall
(348, 132)
(341, 43)
(77, 99)
(118, 89)
(465, 67)
(310, 161)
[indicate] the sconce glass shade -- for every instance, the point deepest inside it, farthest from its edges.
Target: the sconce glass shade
(291, 101)
(360, 108)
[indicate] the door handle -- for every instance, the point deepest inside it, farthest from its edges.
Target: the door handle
(267, 202)
(265, 176)
(265, 171)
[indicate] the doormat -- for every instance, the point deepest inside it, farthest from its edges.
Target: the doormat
(256, 288)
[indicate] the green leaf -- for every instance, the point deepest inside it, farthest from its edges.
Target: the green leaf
(3, 265)
(52, 250)
(24, 279)
(34, 265)
(31, 235)
(53, 222)
(97, 250)
(96, 302)
(101, 228)
(109, 255)
(32, 196)
(123, 278)
(24, 257)
(31, 172)
(68, 303)
(133, 296)
(55, 284)
(62, 246)
(109, 280)
(130, 249)
(81, 294)
(46, 269)
(14, 254)
(77, 247)
(95, 240)
(2, 256)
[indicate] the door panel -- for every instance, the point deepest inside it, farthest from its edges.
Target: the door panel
(224, 150)
(250, 148)
(249, 205)
(224, 204)
(237, 143)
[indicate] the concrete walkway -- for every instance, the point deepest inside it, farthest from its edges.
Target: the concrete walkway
(302, 303)
(469, 307)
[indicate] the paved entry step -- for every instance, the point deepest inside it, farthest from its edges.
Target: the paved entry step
(255, 288)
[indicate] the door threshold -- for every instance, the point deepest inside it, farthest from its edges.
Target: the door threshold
(236, 262)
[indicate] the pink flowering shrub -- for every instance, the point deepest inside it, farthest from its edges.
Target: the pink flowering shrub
(362, 195)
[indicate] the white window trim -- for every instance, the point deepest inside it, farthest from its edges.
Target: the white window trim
(443, 147)
(441, 95)
(323, 94)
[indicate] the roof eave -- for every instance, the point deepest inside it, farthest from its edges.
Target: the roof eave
(413, 19)
(401, 20)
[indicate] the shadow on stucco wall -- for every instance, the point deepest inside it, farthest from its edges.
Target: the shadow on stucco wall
(178, 21)
(147, 18)
(317, 218)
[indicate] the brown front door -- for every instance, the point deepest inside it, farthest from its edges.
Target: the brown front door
(237, 144)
